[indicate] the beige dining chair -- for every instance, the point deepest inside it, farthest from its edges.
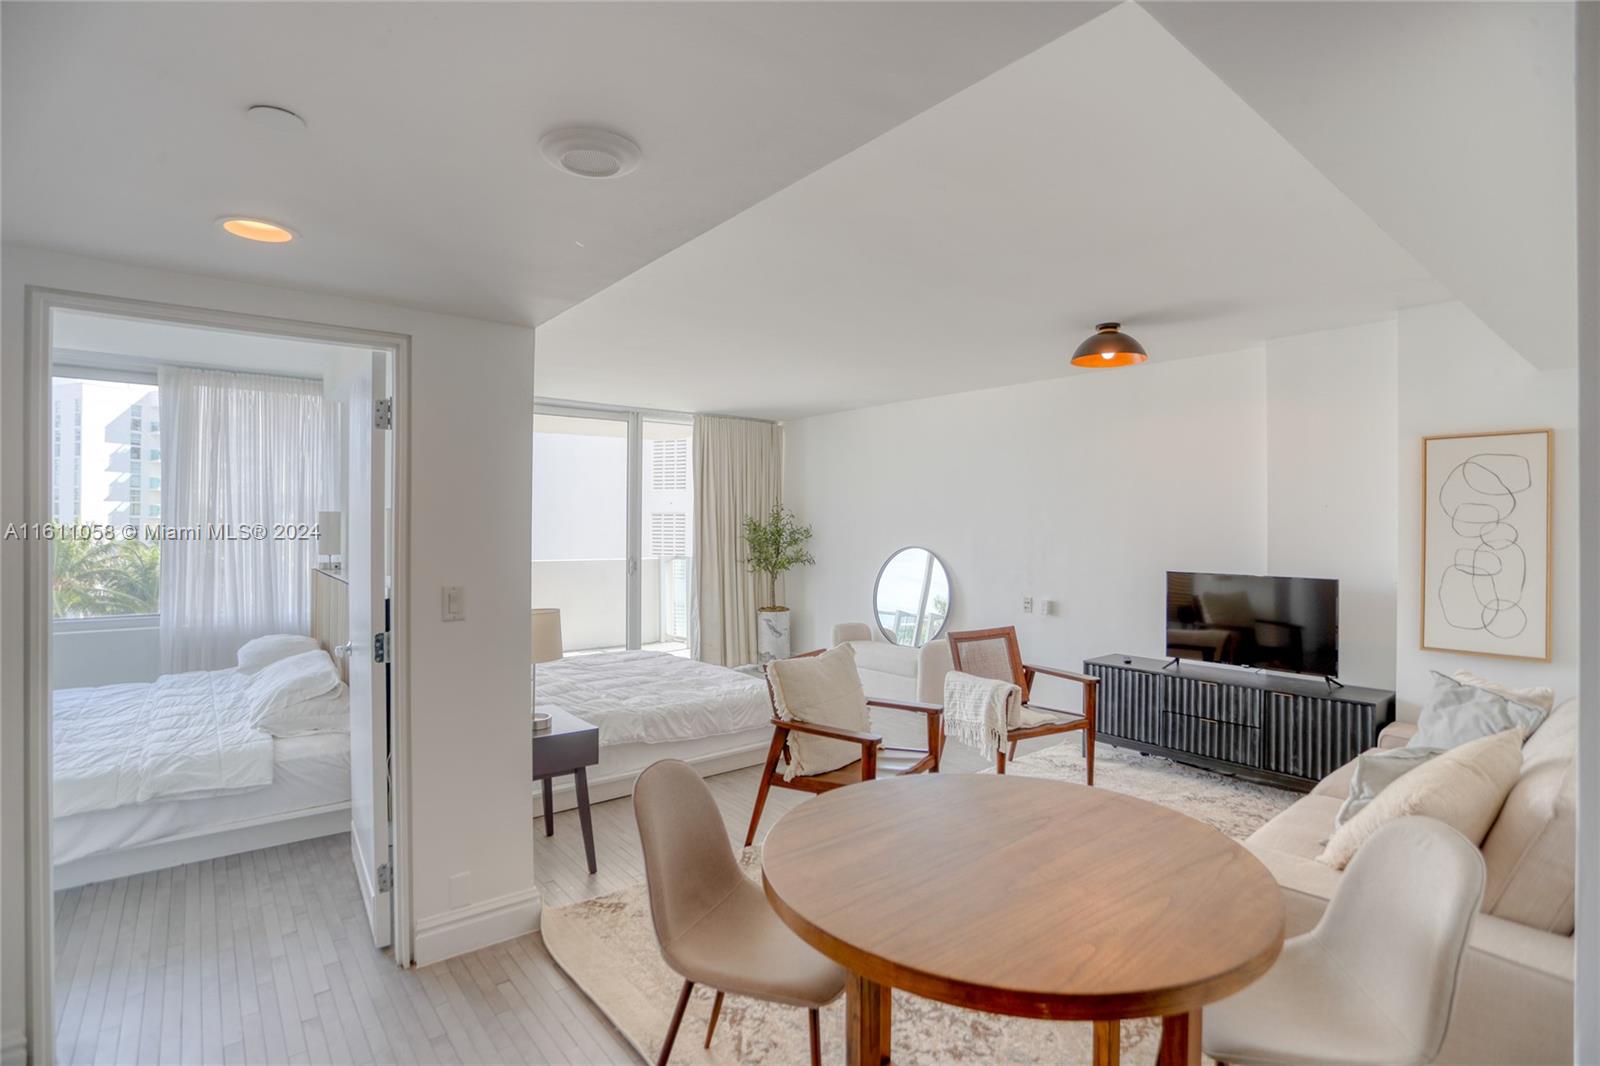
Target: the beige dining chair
(714, 924)
(1374, 982)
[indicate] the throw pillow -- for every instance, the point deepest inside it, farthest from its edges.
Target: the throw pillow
(1537, 696)
(1463, 787)
(822, 690)
(287, 682)
(1456, 713)
(1376, 771)
(327, 713)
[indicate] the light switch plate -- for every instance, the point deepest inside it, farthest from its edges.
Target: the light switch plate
(455, 603)
(1027, 605)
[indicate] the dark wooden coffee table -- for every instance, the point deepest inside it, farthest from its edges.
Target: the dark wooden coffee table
(1038, 899)
(569, 746)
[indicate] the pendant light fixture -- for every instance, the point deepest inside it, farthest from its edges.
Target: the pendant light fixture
(1109, 347)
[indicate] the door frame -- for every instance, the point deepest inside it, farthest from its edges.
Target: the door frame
(633, 565)
(40, 302)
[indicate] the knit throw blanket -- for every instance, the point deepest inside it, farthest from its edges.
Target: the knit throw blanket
(978, 709)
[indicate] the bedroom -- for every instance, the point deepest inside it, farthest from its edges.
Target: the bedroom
(843, 265)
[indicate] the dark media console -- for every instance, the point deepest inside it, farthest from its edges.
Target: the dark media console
(1286, 731)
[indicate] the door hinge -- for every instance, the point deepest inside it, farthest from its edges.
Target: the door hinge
(382, 648)
(383, 414)
(385, 878)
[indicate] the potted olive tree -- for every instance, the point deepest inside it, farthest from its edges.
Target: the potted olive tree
(772, 547)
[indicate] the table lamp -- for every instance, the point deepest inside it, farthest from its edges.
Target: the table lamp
(546, 634)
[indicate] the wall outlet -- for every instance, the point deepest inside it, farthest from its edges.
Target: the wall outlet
(455, 603)
(461, 889)
(1027, 605)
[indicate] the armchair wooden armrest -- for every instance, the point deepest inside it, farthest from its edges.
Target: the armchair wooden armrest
(1065, 675)
(848, 735)
(906, 705)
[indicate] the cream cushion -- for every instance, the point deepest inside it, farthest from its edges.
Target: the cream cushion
(1463, 788)
(1537, 696)
(821, 690)
(1532, 850)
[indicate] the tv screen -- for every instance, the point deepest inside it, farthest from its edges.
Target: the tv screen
(1269, 623)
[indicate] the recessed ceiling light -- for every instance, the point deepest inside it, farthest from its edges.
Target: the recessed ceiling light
(256, 229)
(590, 153)
(274, 117)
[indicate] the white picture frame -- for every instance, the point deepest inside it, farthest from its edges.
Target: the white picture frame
(1487, 535)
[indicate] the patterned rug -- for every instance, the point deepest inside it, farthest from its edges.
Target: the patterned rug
(606, 945)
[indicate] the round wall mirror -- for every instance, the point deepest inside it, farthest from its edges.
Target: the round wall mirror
(912, 597)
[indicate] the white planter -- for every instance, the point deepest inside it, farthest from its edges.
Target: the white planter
(772, 635)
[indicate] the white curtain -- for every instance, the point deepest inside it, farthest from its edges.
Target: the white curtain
(738, 471)
(241, 468)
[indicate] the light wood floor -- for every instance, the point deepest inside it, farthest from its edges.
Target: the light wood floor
(265, 957)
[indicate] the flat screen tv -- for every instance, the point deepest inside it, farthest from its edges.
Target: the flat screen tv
(1289, 624)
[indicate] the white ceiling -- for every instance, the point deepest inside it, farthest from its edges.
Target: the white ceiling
(110, 341)
(1451, 124)
(1109, 175)
(418, 178)
(840, 204)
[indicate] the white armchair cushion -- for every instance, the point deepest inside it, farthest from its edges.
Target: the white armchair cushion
(821, 690)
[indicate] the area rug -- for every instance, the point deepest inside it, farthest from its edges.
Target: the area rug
(608, 948)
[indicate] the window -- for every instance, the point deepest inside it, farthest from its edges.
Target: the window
(615, 562)
(103, 485)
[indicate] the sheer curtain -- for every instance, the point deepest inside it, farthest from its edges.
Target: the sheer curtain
(738, 471)
(242, 455)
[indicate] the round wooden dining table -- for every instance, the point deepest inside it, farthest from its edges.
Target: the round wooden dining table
(1021, 896)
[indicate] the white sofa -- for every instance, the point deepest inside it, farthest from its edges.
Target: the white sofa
(893, 671)
(1514, 1003)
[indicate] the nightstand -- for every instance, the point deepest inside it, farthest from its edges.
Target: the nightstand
(569, 746)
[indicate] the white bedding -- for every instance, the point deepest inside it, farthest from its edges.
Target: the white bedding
(651, 697)
(310, 772)
(180, 736)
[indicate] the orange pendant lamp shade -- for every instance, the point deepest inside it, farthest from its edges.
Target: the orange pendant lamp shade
(1109, 347)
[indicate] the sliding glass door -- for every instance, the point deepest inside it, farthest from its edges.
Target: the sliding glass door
(612, 526)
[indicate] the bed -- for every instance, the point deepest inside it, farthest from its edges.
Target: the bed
(650, 706)
(155, 774)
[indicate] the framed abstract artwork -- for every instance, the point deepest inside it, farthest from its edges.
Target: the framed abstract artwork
(1486, 543)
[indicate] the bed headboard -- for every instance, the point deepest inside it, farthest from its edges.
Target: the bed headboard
(330, 615)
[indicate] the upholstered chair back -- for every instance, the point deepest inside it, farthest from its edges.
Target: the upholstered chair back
(689, 865)
(1399, 923)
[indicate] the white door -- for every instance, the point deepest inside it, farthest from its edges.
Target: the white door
(370, 647)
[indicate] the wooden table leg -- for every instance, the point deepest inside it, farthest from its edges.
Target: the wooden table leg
(547, 790)
(580, 779)
(1107, 1043)
(867, 1021)
(1180, 1040)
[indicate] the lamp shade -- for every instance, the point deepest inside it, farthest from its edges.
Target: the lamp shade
(546, 634)
(329, 538)
(1109, 347)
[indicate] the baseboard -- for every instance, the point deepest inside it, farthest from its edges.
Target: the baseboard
(14, 1048)
(444, 936)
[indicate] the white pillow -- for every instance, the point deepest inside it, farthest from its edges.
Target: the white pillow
(264, 651)
(1463, 787)
(278, 687)
(822, 690)
(327, 713)
(1536, 696)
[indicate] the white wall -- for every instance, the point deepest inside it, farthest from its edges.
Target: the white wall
(112, 651)
(1084, 490)
(471, 421)
(1456, 376)
(1332, 481)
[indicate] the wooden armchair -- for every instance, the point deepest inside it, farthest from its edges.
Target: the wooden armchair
(995, 653)
(876, 760)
